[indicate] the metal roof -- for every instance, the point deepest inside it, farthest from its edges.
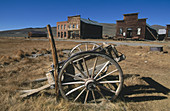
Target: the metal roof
(150, 26)
(88, 21)
(161, 31)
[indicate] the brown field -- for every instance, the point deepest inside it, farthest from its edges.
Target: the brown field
(146, 74)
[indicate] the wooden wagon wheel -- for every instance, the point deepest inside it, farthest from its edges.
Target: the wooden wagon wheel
(85, 46)
(100, 78)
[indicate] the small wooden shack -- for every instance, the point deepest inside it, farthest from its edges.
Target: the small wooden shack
(37, 34)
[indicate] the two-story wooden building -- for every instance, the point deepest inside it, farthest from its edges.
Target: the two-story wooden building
(134, 28)
(77, 27)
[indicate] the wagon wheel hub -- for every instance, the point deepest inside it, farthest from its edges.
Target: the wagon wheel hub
(90, 84)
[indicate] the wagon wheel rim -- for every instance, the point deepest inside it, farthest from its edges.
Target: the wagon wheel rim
(85, 46)
(92, 84)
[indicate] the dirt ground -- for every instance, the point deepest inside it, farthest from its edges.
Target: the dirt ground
(146, 77)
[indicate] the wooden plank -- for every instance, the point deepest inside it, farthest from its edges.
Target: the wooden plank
(33, 91)
(40, 79)
(50, 79)
(26, 91)
(151, 33)
(55, 58)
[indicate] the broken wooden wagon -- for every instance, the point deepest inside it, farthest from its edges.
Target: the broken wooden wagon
(90, 74)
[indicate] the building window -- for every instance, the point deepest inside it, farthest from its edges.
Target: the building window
(64, 34)
(73, 26)
(120, 31)
(69, 26)
(61, 34)
(61, 27)
(58, 34)
(77, 26)
(124, 34)
(65, 26)
(138, 31)
(58, 27)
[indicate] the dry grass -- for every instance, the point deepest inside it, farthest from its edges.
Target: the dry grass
(17, 70)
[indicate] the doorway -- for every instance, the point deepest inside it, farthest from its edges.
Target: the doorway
(70, 34)
(129, 33)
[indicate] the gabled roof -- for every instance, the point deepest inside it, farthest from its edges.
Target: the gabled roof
(161, 31)
(88, 21)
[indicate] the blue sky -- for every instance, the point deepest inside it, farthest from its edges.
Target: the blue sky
(17, 14)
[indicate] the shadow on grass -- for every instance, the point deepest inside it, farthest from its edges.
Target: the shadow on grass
(129, 93)
(149, 90)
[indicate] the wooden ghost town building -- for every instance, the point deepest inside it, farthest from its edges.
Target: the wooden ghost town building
(77, 27)
(134, 28)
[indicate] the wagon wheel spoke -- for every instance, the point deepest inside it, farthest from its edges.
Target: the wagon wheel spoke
(76, 77)
(79, 70)
(94, 66)
(87, 93)
(86, 67)
(79, 94)
(72, 83)
(107, 74)
(106, 89)
(98, 90)
(83, 47)
(79, 49)
(93, 46)
(86, 47)
(93, 96)
(71, 91)
(102, 69)
(104, 82)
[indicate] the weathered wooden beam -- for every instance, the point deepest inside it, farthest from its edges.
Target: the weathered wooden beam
(26, 91)
(55, 57)
(33, 91)
(40, 79)
(151, 33)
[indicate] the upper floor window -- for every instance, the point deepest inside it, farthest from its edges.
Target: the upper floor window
(61, 27)
(77, 26)
(138, 31)
(69, 26)
(65, 26)
(58, 27)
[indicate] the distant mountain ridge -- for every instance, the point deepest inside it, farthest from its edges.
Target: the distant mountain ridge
(108, 29)
(23, 32)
